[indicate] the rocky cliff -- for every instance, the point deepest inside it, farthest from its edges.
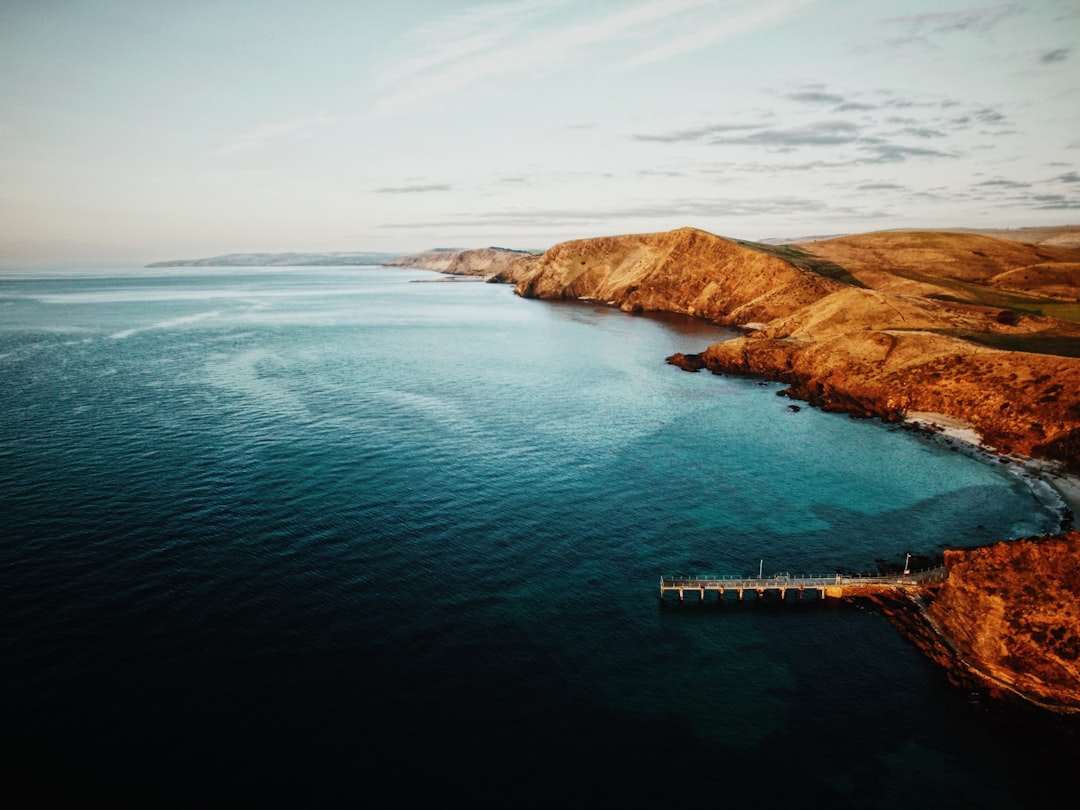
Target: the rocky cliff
(687, 271)
(980, 330)
(1007, 618)
(873, 325)
(866, 354)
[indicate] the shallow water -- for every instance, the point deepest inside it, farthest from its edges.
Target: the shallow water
(292, 534)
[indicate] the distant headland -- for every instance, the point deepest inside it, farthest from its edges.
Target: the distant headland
(334, 258)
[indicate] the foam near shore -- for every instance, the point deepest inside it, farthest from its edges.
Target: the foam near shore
(1049, 484)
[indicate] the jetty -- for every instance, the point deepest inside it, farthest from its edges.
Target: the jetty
(832, 586)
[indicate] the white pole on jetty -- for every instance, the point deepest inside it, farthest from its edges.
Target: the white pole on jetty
(761, 565)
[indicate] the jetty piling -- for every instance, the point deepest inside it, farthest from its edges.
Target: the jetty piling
(832, 586)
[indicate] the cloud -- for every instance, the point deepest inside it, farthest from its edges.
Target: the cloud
(817, 94)
(419, 189)
(897, 153)
(1003, 184)
(1056, 55)
(820, 133)
(265, 133)
(988, 115)
(698, 134)
(922, 132)
(478, 45)
(925, 27)
(667, 210)
(1055, 202)
(724, 27)
(816, 97)
(1068, 177)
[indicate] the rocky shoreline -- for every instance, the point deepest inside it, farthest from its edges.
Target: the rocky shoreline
(1005, 620)
(858, 329)
(1050, 485)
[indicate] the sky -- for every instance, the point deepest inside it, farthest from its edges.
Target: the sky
(134, 131)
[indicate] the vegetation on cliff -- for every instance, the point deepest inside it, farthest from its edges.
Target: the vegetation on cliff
(981, 330)
(872, 325)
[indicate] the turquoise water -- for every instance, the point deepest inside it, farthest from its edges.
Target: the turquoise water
(298, 534)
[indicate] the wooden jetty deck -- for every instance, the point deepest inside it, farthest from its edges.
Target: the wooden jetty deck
(832, 586)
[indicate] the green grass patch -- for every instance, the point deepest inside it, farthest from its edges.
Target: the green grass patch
(1060, 345)
(1062, 310)
(970, 292)
(804, 261)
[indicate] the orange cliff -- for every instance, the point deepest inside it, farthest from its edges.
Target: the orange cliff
(963, 337)
(981, 331)
(1006, 619)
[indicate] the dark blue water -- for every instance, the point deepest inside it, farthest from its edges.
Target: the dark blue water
(306, 536)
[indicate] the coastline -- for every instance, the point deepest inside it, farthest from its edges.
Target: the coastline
(1049, 484)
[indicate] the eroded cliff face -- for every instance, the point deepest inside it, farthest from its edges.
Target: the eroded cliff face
(920, 342)
(1018, 402)
(1007, 618)
(687, 271)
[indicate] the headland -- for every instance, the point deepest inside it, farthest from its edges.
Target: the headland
(970, 337)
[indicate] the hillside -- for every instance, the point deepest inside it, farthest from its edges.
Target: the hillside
(859, 324)
(687, 271)
(482, 262)
(969, 329)
(968, 267)
(437, 259)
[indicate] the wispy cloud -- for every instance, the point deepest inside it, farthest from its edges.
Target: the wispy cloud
(875, 136)
(1056, 55)
(926, 27)
(720, 29)
(815, 94)
(897, 153)
(816, 133)
(669, 210)
(419, 189)
(482, 44)
(697, 134)
(1055, 202)
(265, 133)
(879, 187)
(1002, 184)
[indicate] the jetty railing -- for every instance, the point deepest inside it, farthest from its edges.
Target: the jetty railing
(831, 585)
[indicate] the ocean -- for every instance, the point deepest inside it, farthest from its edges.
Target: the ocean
(315, 536)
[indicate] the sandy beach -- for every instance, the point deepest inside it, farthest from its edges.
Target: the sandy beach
(1049, 484)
